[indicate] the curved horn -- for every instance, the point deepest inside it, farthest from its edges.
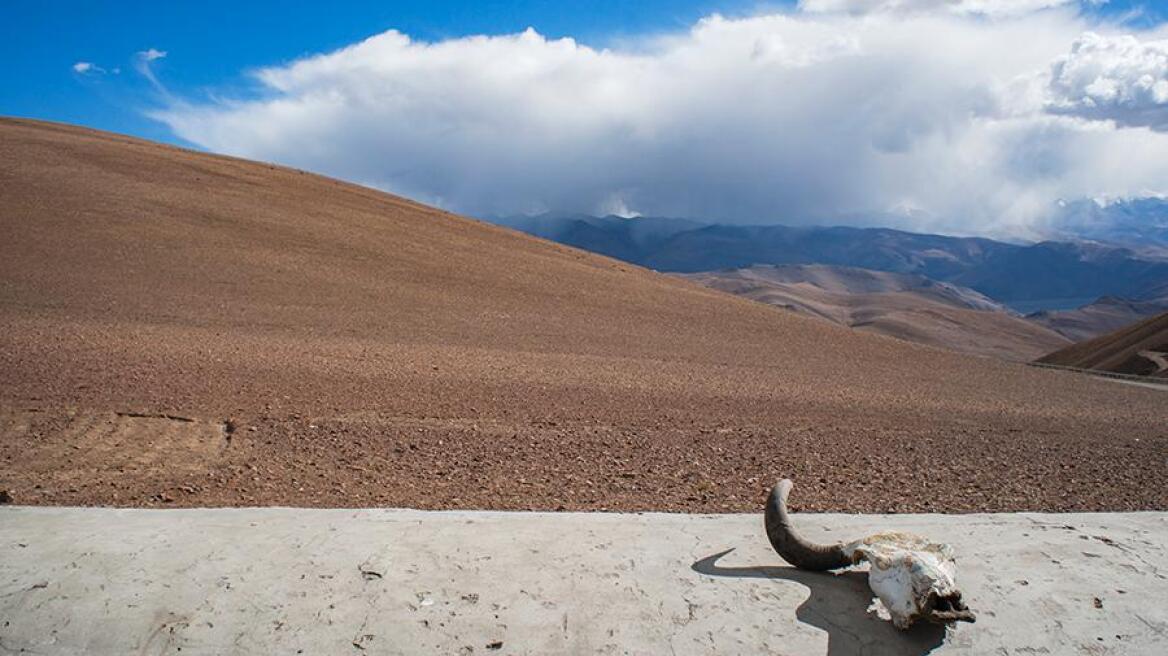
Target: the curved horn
(793, 548)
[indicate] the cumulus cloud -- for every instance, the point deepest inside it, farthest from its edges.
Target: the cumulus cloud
(931, 120)
(1118, 78)
(960, 7)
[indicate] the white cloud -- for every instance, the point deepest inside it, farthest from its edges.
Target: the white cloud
(794, 118)
(144, 64)
(995, 8)
(84, 68)
(1119, 78)
(151, 54)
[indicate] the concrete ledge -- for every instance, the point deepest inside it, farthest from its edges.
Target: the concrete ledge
(245, 581)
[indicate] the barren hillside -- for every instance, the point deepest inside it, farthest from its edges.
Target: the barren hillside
(187, 329)
(1140, 349)
(901, 305)
(1105, 315)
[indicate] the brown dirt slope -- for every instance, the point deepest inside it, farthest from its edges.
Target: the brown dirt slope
(1140, 349)
(905, 306)
(1103, 316)
(187, 329)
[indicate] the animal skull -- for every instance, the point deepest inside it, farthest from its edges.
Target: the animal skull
(912, 577)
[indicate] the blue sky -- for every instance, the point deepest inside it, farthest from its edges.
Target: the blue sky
(958, 116)
(209, 44)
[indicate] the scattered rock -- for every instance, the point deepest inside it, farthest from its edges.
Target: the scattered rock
(5, 496)
(368, 573)
(498, 644)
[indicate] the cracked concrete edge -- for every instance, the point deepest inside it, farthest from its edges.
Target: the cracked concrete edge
(281, 579)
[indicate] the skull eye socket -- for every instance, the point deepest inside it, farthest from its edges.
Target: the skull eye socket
(946, 603)
(947, 609)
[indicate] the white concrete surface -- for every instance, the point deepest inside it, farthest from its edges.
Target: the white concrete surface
(1163, 387)
(287, 581)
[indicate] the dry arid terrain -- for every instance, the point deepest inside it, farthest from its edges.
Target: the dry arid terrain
(1140, 349)
(902, 305)
(185, 329)
(1105, 315)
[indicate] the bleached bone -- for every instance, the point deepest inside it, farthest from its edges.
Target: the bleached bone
(912, 577)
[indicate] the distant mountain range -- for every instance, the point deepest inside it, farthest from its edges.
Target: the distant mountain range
(918, 309)
(1027, 277)
(906, 306)
(1105, 315)
(1139, 223)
